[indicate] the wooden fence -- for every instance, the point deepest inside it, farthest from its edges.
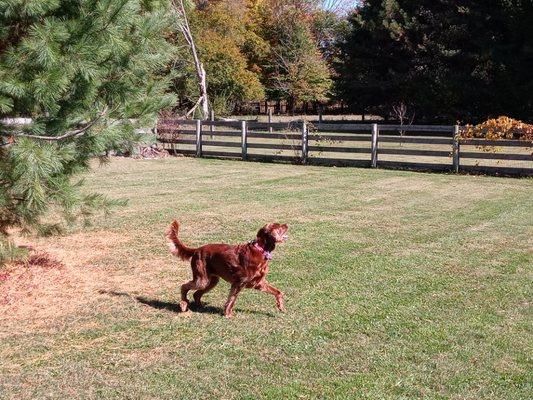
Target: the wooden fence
(422, 147)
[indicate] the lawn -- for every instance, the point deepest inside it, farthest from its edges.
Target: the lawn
(398, 285)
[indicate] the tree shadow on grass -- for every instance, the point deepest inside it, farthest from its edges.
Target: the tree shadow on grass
(174, 307)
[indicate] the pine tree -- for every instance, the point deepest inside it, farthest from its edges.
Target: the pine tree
(85, 74)
(446, 60)
(375, 67)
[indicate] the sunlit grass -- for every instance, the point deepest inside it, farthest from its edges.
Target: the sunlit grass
(398, 285)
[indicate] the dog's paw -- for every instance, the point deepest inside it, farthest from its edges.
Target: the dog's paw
(184, 305)
(280, 304)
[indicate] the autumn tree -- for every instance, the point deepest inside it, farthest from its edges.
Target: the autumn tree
(296, 70)
(227, 49)
(256, 48)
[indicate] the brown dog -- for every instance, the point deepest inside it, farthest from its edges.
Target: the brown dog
(242, 265)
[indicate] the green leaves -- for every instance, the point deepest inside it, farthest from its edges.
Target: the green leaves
(19, 9)
(106, 49)
(6, 104)
(61, 64)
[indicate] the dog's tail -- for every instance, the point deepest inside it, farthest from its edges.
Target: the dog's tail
(176, 246)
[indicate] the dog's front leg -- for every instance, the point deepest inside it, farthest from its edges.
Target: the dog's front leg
(233, 293)
(278, 294)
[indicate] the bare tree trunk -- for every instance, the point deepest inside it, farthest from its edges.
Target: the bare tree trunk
(185, 29)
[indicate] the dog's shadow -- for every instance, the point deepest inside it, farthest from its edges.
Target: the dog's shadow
(174, 307)
(165, 305)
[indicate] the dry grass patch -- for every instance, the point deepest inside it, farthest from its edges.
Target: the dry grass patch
(72, 277)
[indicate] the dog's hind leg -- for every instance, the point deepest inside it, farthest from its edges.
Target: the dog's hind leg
(200, 281)
(199, 293)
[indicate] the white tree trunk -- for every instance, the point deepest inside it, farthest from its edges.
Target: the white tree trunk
(185, 29)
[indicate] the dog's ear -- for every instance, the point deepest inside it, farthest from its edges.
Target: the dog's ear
(264, 232)
(265, 235)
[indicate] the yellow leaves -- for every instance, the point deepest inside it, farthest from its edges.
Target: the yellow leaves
(499, 128)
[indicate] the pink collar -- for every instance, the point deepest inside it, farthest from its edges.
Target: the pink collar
(266, 254)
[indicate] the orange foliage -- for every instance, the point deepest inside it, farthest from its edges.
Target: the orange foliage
(499, 128)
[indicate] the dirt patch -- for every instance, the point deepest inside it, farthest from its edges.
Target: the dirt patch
(68, 280)
(81, 249)
(480, 227)
(400, 183)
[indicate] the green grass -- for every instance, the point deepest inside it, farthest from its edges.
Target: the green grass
(398, 285)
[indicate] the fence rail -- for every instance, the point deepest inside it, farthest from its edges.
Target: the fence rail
(423, 147)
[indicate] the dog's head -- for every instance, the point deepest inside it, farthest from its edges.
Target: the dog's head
(273, 233)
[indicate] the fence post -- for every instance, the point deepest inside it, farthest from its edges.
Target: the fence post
(304, 142)
(269, 120)
(198, 138)
(211, 127)
(374, 146)
(456, 149)
(243, 139)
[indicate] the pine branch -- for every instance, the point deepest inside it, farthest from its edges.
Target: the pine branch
(113, 16)
(66, 135)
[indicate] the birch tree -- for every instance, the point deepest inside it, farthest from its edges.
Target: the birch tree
(184, 27)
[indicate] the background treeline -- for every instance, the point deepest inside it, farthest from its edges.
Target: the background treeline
(416, 60)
